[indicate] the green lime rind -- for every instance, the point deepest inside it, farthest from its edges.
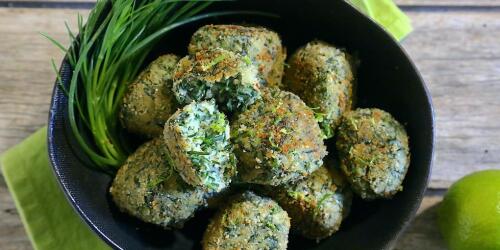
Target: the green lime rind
(469, 216)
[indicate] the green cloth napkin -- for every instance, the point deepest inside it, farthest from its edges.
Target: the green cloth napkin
(387, 14)
(49, 220)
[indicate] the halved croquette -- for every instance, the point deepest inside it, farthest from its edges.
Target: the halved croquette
(216, 74)
(197, 139)
(258, 46)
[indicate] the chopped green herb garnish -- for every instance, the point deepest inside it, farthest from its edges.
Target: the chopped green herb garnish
(275, 163)
(270, 225)
(284, 131)
(156, 182)
(319, 117)
(361, 161)
(277, 120)
(219, 125)
(294, 194)
(353, 122)
(215, 61)
(197, 153)
(247, 60)
(271, 141)
(324, 198)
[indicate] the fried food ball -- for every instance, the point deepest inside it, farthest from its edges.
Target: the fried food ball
(149, 100)
(374, 152)
(277, 140)
(217, 74)
(147, 187)
(248, 222)
(316, 204)
(197, 139)
(323, 78)
(259, 46)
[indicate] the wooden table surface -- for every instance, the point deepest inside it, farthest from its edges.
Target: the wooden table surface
(455, 45)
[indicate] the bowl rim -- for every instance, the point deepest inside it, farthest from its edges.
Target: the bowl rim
(65, 69)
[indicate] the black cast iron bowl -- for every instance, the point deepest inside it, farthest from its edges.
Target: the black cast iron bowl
(387, 79)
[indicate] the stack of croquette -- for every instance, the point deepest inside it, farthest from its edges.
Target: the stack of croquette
(231, 125)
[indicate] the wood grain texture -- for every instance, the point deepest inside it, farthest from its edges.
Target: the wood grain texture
(423, 232)
(448, 3)
(69, 1)
(26, 80)
(12, 234)
(399, 2)
(26, 75)
(458, 54)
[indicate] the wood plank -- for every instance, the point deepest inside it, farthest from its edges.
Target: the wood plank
(458, 54)
(26, 76)
(26, 81)
(403, 3)
(50, 4)
(12, 234)
(423, 232)
(49, 1)
(447, 2)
